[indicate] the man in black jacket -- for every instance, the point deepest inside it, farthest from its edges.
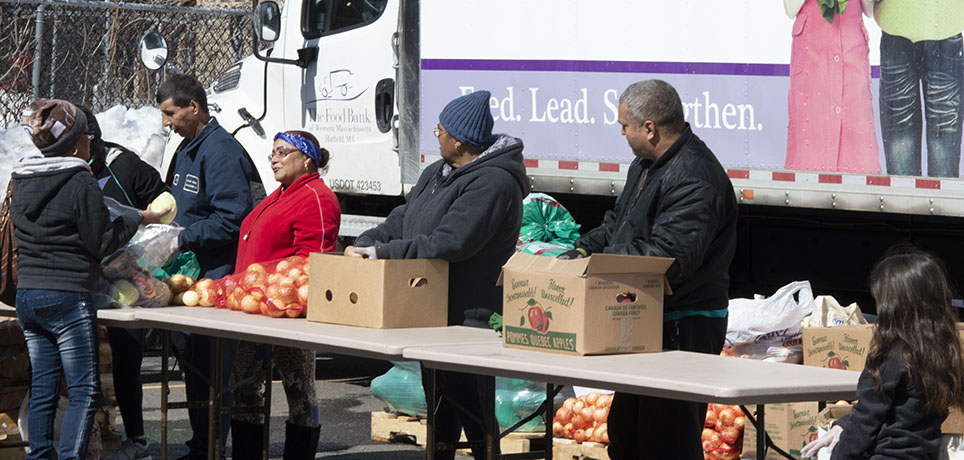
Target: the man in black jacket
(677, 202)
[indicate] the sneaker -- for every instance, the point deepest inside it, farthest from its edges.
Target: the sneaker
(131, 450)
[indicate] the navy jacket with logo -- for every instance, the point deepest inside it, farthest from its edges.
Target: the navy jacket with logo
(209, 178)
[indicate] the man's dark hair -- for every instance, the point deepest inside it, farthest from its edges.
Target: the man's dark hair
(182, 89)
(654, 100)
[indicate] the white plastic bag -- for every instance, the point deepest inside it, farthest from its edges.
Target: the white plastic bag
(827, 312)
(769, 328)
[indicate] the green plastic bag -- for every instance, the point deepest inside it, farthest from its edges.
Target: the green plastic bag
(185, 264)
(515, 400)
(401, 389)
(546, 220)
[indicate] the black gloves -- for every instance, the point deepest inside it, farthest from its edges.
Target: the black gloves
(577, 253)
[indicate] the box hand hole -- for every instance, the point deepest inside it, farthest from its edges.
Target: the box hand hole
(417, 282)
(626, 297)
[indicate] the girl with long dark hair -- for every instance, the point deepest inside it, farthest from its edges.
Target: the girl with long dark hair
(914, 371)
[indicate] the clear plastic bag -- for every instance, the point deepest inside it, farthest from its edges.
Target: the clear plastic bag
(154, 245)
(128, 270)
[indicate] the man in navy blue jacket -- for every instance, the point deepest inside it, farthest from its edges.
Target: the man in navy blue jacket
(209, 177)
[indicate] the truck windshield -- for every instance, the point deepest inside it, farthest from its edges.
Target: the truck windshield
(326, 17)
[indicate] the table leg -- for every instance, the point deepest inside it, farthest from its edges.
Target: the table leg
(761, 433)
(547, 439)
(214, 436)
(267, 404)
(431, 393)
(165, 352)
(491, 428)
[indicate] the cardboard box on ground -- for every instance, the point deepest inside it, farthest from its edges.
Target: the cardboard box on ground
(846, 347)
(826, 417)
(791, 426)
(597, 305)
(383, 294)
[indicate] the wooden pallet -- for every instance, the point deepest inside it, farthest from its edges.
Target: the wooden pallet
(387, 427)
(568, 449)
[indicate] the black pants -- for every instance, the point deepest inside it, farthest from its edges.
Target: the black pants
(127, 351)
(468, 391)
(644, 427)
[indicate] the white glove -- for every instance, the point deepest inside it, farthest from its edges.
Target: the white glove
(367, 252)
(828, 440)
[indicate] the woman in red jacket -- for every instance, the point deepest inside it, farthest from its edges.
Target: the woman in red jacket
(300, 217)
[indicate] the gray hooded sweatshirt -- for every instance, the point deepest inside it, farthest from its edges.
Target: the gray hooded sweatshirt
(62, 226)
(469, 216)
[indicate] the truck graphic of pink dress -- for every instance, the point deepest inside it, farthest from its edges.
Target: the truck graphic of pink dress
(831, 125)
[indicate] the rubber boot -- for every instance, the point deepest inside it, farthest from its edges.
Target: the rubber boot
(301, 442)
(247, 440)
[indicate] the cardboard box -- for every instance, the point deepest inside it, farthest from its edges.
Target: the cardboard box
(826, 418)
(597, 305)
(838, 347)
(383, 294)
(791, 426)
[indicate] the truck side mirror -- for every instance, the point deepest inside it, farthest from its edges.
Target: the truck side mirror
(153, 50)
(267, 21)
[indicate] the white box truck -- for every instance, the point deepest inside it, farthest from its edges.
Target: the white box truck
(369, 77)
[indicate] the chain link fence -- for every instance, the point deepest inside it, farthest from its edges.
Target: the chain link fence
(87, 51)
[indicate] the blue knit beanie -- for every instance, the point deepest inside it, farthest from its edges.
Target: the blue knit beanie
(469, 120)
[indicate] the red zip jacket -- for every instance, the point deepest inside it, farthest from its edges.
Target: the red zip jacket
(303, 219)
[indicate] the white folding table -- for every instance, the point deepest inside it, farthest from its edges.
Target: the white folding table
(120, 317)
(384, 344)
(673, 374)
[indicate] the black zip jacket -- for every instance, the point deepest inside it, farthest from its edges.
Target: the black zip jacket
(127, 178)
(685, 209)
(470, 218)
(889, 423)
(62, 226)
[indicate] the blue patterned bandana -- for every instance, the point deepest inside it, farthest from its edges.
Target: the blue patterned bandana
(307, 147)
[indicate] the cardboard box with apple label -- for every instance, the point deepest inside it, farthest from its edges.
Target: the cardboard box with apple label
(601, 304)
(382, 294)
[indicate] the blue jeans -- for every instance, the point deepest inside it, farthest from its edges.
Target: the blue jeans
(62, 340)
(937, 67)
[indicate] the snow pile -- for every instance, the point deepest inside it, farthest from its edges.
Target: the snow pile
(15, 144)
(137, 129)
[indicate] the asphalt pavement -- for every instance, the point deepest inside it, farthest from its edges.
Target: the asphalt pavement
(346, 404)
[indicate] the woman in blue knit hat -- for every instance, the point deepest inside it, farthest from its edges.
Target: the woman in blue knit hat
(466, 209)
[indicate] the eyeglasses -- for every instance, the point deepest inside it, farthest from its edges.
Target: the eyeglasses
(281, 154)
(437, 131)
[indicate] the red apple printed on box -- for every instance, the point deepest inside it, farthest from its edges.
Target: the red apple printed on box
(834, 362)
(538, 318)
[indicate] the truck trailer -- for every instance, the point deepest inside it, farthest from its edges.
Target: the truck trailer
(369, 77)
